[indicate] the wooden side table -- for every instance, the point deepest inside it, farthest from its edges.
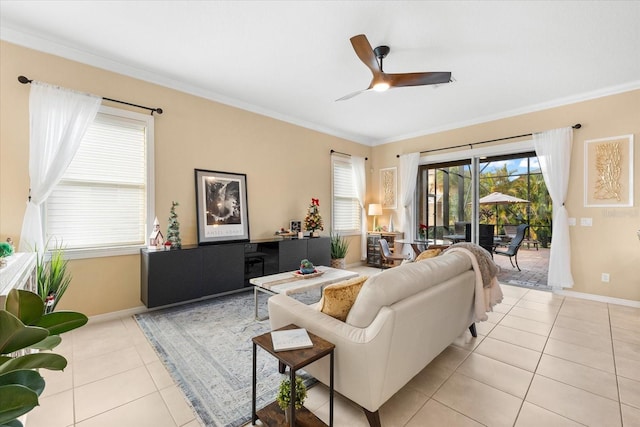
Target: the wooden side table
(272, 415)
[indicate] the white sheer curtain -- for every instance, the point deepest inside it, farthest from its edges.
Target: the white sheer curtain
(360, 179)
(553, 148)
(408, 177)
(58, 119)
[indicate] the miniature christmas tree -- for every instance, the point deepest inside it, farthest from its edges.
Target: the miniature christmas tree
(313, 220)
(173, 231)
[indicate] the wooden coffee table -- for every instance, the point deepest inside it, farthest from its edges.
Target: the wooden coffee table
(288, 283)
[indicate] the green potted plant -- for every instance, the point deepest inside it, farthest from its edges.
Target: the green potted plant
(339, 249)
(25, 327)
(53, 277)
(284, 395)
(5, 250)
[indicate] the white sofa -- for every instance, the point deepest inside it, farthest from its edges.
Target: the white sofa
(401, 320)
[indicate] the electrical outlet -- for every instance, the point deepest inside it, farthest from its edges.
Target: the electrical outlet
(605, 277)
(572, 221)
(586, 222)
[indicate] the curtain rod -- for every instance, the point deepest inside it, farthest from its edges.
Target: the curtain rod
(344, 154)
(24, 80)
(470, 145)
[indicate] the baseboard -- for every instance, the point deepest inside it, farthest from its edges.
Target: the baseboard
(114, 315)
(355, 264)
(599, 298)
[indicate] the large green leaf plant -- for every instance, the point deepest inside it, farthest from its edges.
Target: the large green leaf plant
(24, 330)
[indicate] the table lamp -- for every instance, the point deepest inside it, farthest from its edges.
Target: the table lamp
(375, 209)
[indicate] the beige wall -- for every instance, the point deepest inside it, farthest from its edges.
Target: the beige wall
(610, 245)
(197, 133)
(286, 165)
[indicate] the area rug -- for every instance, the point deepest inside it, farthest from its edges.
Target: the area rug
(207, 349)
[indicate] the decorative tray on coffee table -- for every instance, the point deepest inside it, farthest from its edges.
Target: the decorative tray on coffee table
(301, 275)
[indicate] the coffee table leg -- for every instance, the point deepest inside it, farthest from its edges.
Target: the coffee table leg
(255, 300)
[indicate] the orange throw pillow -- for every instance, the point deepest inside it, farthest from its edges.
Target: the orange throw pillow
(429, 253)
(338, 298)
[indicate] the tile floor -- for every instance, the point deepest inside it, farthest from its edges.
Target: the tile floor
(534, 265)
(541, 359)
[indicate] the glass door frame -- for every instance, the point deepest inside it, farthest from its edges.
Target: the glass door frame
(475, 155)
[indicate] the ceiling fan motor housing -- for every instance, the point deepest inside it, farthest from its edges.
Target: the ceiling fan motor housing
(381, 51)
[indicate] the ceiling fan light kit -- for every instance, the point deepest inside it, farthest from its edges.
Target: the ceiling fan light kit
(382, 81)
(381, 87)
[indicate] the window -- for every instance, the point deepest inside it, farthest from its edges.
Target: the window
(346, 207)
(103, 197)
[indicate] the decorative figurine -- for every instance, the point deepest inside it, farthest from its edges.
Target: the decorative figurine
(156, 239)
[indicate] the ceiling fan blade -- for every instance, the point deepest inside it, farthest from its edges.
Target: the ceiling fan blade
(351, 95)
(418, 79)
(365, 52)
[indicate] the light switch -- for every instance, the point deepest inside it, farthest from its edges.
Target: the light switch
(586, 222)
(572, 221)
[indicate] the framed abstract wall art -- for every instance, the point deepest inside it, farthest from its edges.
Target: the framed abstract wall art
(608, 172)
(221, 206)
(389, 188)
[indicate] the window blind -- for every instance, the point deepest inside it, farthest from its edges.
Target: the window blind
(346, 208)
(101, 200)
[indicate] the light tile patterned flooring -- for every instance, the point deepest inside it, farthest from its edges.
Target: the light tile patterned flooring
(540, 360)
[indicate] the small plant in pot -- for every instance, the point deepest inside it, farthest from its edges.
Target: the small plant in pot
(5, 250)
(307, 267)
(339, 249)
(53, 276)
(284, 395)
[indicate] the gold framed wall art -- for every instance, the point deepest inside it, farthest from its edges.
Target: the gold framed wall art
(608, 172)
(389, 188)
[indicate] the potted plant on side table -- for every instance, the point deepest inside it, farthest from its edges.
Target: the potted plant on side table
(284, 396)
(339, 249)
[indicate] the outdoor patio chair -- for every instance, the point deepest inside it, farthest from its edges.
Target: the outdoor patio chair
(510, 230)
(388, 259)
(514, 245)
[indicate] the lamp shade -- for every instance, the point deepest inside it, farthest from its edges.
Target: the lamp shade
(375, 209)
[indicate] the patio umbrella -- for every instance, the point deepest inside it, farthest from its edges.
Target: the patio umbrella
(498, 198)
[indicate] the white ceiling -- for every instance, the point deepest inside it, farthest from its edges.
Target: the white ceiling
(292, 60)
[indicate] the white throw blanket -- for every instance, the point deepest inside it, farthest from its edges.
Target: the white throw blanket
(485, 297)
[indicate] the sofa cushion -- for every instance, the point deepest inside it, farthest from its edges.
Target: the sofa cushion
(338, 298)
(429, 253)
(398, 283)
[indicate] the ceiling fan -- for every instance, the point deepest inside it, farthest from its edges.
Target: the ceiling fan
(382, 81)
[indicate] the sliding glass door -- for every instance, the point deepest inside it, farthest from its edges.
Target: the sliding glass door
(522, 195)
(446, 202)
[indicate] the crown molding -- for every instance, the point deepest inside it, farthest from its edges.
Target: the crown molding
(573, 99)
(51, 46)
(57, 48)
